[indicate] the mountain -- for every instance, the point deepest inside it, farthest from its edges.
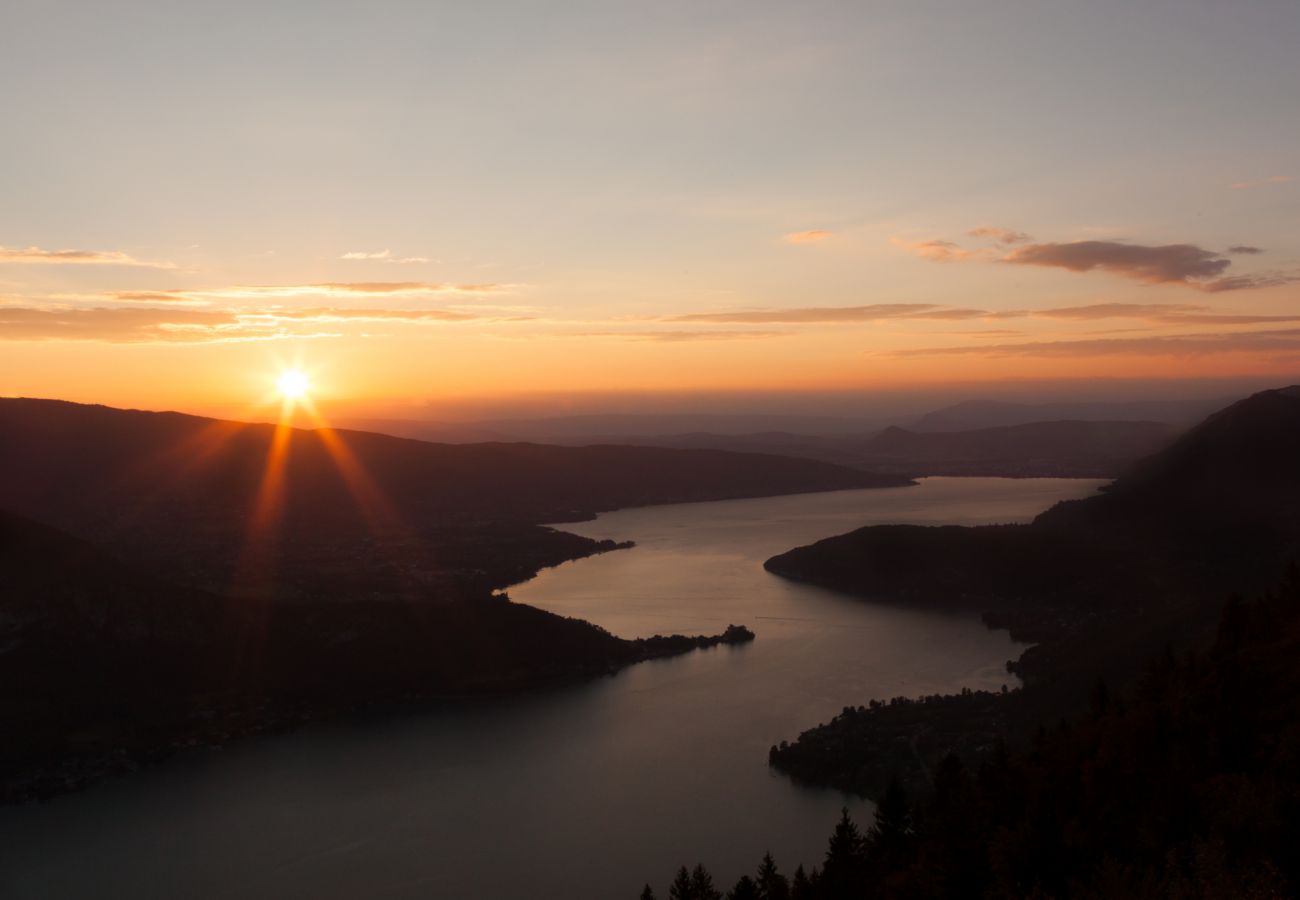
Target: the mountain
(627, 428)
(1098, 582)
(1077, 449)
(976, 414)
(105, 667)
(226, 505)
(1071, 449)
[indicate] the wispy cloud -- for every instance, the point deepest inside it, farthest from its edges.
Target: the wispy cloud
(356, 290)
(1283, 340)
(382, 256)
(938, 250)
(152, 324)
(1263, 182)
(1245, 249)
(1166, 313)
(807, 237)
(674, 337)
(870, 313)
(1000, 235)
(40, 256)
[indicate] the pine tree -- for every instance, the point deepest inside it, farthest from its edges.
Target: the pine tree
(842, 871)
(746, 889)
(647, 893)
(800, 885)
(702, 885)
(772, 885)
(681, 888)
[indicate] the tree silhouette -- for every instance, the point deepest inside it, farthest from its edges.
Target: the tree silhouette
(746, 889)
(772, 885)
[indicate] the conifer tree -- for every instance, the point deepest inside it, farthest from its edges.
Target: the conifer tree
(772, 885)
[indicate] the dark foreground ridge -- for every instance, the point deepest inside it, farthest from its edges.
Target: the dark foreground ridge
(105, 668)
(1185, 786)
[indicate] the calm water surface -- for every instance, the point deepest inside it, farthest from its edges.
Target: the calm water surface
(586, 792)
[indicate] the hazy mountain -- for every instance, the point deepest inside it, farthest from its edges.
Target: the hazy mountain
(1065, 448)
(974, 414)
(1075, 449)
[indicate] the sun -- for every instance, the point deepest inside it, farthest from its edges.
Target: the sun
(293, 384)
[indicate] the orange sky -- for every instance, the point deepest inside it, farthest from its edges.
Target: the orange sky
(588, 200)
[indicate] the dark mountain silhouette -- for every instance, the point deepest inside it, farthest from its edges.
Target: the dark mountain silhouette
(104, 667)
(212, 503)
(1195, 519)
(1099, 584)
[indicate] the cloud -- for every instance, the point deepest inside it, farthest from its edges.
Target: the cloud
(353, 290)
(937, 250)
(37, 255)
(382, 256)
(1157, 311)
(674, 337)
(1000, 235)
(152, 324)
(807, 237)
(1284, 340)
(1168, 263)
(1183, 264)
(1167, 313)
(872, 313)
(1273, 179)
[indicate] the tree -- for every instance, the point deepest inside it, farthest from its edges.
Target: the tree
(746, 889)
(842, 873)
(702, 885)
(801, 887)
(647, 893)
(772, 885)
(681, 888)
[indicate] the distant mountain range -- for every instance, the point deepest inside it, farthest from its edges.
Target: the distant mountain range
(972, 414)
(343, 512)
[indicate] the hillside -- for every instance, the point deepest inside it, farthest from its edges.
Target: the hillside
(1074, 449)
(1099, 584)
(226, 505)
(104, 667)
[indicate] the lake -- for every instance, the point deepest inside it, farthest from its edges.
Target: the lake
(582, 792)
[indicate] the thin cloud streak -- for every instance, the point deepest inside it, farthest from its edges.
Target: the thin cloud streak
(674, 337)
(1165, 345)
(829, 314)
(152, 324)
(813, 236)
(40, 256)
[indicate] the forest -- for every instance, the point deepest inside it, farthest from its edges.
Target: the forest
(1186, 785)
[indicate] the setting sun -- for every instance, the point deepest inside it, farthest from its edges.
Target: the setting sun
(293, 384)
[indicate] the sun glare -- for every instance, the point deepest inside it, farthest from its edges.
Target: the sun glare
(293, 384)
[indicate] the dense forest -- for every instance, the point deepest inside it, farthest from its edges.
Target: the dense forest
(1186, 785)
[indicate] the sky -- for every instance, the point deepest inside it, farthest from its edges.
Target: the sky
(432, 205)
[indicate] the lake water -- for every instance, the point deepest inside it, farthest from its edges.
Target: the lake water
(584, 792)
